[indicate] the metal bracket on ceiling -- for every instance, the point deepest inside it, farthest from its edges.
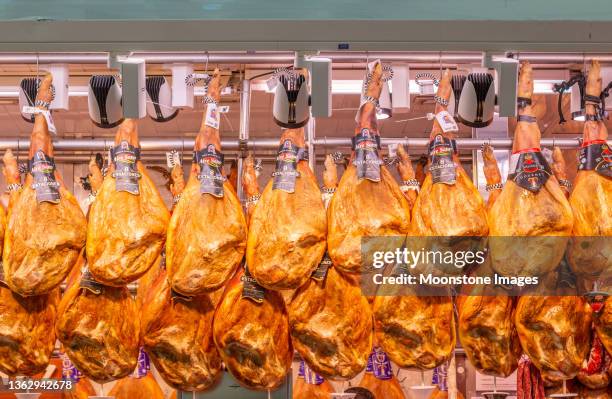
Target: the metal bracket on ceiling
(116, 58)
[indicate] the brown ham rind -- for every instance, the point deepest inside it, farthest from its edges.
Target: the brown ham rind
(207, 235)
(177, 335)
(99, 332)
(126, 232)
(488, 335)
(287, 231)
(331, 326)
(415, 331)
(555, 333)
(253, 338)
(589, 250)
(364, 208)
(27, 336)
(43, 240)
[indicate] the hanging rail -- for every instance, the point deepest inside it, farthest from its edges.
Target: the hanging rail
(287, 57)
(255, 144)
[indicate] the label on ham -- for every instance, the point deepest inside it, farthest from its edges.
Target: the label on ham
(69, 371)
(212, 116)
(211, 177)
(442, 167)
(89, 283)
(310, 376)
(42, 168)
(251, 288)
(441, 373)
(301, 369)
(366, 145)
(446, 122)
(321, 270)
(286, 166)
(379, 364)
(530, 170)
(144, 364)
(126, 173)
(596, 156)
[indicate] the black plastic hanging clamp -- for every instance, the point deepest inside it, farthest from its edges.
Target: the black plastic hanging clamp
(560, 88)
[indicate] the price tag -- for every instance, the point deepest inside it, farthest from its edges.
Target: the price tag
(447, 122)
(212, 116)
(223, 109)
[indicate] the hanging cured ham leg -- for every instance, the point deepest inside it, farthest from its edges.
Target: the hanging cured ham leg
(410, 185)
(448, 205)
(555, 332)
(177, 335)
(27, 336)
(46, 227)
(415, 331)
(486, 322)
(560, 170)
(128, 219)
(492, 175)
(288, 226)
(531, 207)
(369, 201)
(603, 324)
(99, 329)
(590, 249)
(329, 318)
(207, 232)
(250, 326)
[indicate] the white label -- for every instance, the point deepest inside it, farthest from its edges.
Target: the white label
(47, 114)
(223, 109)
(392, 150)
(50, 123)
(212, 116)
(447, 122)
(31, 110)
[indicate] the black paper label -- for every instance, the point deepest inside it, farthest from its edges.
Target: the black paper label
(530, 170)
(442, 167)
(211, 177)
(42, 168)
(596, 156)
(89, 283)
(367, 161)
(251, 288)
(321, 270)
(286, 166)
(126, 173)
